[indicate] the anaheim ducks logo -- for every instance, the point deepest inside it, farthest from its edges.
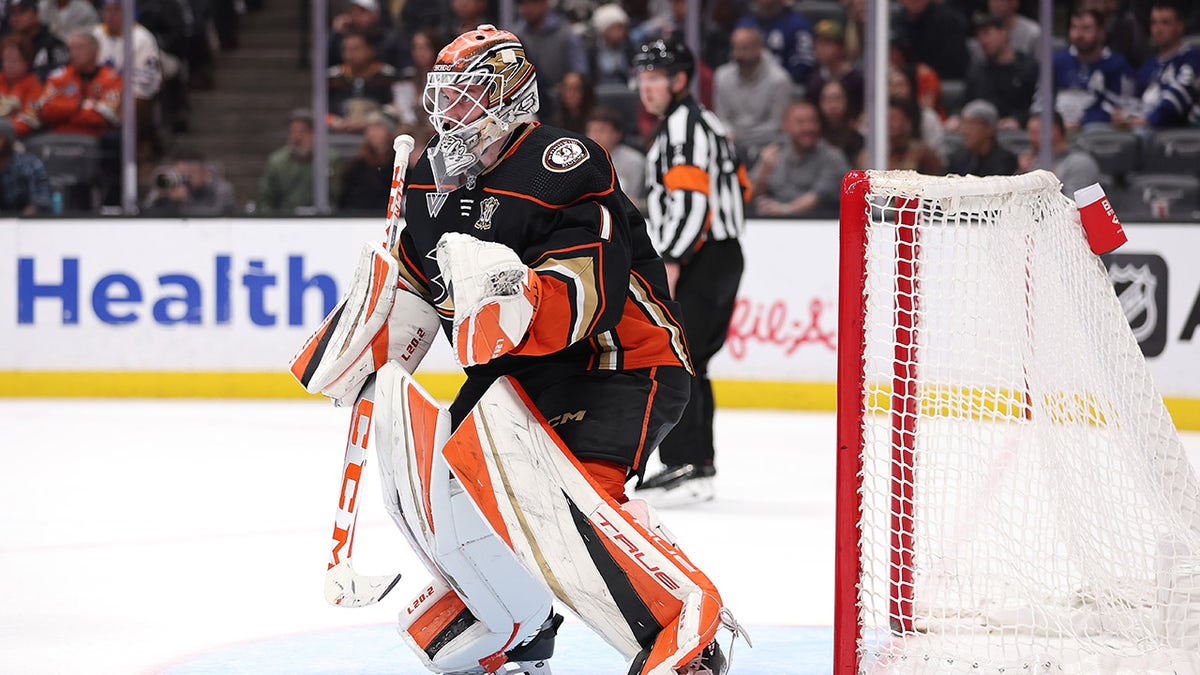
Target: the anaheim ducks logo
(513, 69)
(564, 154)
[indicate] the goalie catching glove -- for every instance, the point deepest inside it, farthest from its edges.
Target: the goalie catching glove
(495, 296)
(380, 319)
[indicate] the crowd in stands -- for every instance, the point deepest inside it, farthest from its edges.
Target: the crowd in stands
(61, 86)
(786, 77)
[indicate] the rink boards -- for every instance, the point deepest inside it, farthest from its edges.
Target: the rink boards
(215, 308)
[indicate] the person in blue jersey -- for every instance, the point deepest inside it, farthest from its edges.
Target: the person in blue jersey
(787, 35)
(1090, 80)
(1166, 83)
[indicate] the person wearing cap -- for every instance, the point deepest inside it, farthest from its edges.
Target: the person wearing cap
(787, 34)
(24, 186)
(981, 155)
(750, 93)
(610, 46)
(287, 180)
(832, 64)
(1005, 78)
(696, 201)
(49, 52)
(364, 16)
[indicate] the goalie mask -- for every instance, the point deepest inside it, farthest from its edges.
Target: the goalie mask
(480, 86)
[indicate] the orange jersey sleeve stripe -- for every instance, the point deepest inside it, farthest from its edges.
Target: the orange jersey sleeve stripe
(686, 177)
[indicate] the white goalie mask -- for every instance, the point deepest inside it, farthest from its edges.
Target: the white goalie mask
(480, 86)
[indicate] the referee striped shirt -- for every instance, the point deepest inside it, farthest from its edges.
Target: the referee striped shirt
(697, 188)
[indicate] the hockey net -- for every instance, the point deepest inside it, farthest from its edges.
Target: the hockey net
(1013, 495)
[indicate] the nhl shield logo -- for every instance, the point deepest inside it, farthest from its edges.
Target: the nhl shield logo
(1141, 281)
(487, 208)
(1136, 284)
(564, 154)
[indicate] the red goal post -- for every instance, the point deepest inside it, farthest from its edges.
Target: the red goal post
(1012, 495)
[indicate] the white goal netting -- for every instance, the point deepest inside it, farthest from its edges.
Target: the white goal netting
(1026, 503)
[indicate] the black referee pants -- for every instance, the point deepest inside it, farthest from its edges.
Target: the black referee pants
(706, 290)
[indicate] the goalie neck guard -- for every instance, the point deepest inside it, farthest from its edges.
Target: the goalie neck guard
(480, 86)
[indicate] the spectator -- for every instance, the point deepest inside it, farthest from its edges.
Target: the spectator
(832, 64)
(937, 36)
(1005, 78)
(604, 127)
(363, 17)
(426, 43)
(981, 155)
(1024, 35)
(189, 186)
(905, 149)
(1074, 167)
(19, 87)
(576, 98)
(24, 187)
(837, 128)
(611, 49)
(49, 53)
(287, 181)
(801, 175)
(1127, 34)
(361, 85)
(1090, 80)
(367, 177)
(551, 45)
(464, 16)
(929, 128)
(145, 77)
(1167, 83)
(84, 97)
(787, 34)
(750, 93)
(64, 17)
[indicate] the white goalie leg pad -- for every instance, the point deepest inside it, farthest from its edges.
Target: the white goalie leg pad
(377, 320)
(441, 522)
(636, 589)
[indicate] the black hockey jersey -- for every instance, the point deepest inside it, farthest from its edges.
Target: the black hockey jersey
(553, 198)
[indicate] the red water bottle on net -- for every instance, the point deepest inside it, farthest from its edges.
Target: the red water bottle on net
(1104, 232)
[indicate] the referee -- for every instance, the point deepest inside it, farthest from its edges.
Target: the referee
(697, 191)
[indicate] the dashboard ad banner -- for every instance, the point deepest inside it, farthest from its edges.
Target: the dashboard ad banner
(242, 295)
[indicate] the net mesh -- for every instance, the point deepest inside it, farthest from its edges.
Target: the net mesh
(1027, 505)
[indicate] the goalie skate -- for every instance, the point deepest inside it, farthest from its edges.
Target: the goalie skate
(679, 486)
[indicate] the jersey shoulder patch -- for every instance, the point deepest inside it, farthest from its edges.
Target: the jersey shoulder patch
(564, 154)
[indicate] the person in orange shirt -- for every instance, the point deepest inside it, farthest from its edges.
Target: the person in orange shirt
(82, 97)
(19, 86)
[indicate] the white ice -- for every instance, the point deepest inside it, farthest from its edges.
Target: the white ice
(141, 534)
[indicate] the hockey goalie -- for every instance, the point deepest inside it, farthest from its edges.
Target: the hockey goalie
(519, 242)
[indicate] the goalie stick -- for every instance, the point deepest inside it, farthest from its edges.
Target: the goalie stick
(343, 586)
